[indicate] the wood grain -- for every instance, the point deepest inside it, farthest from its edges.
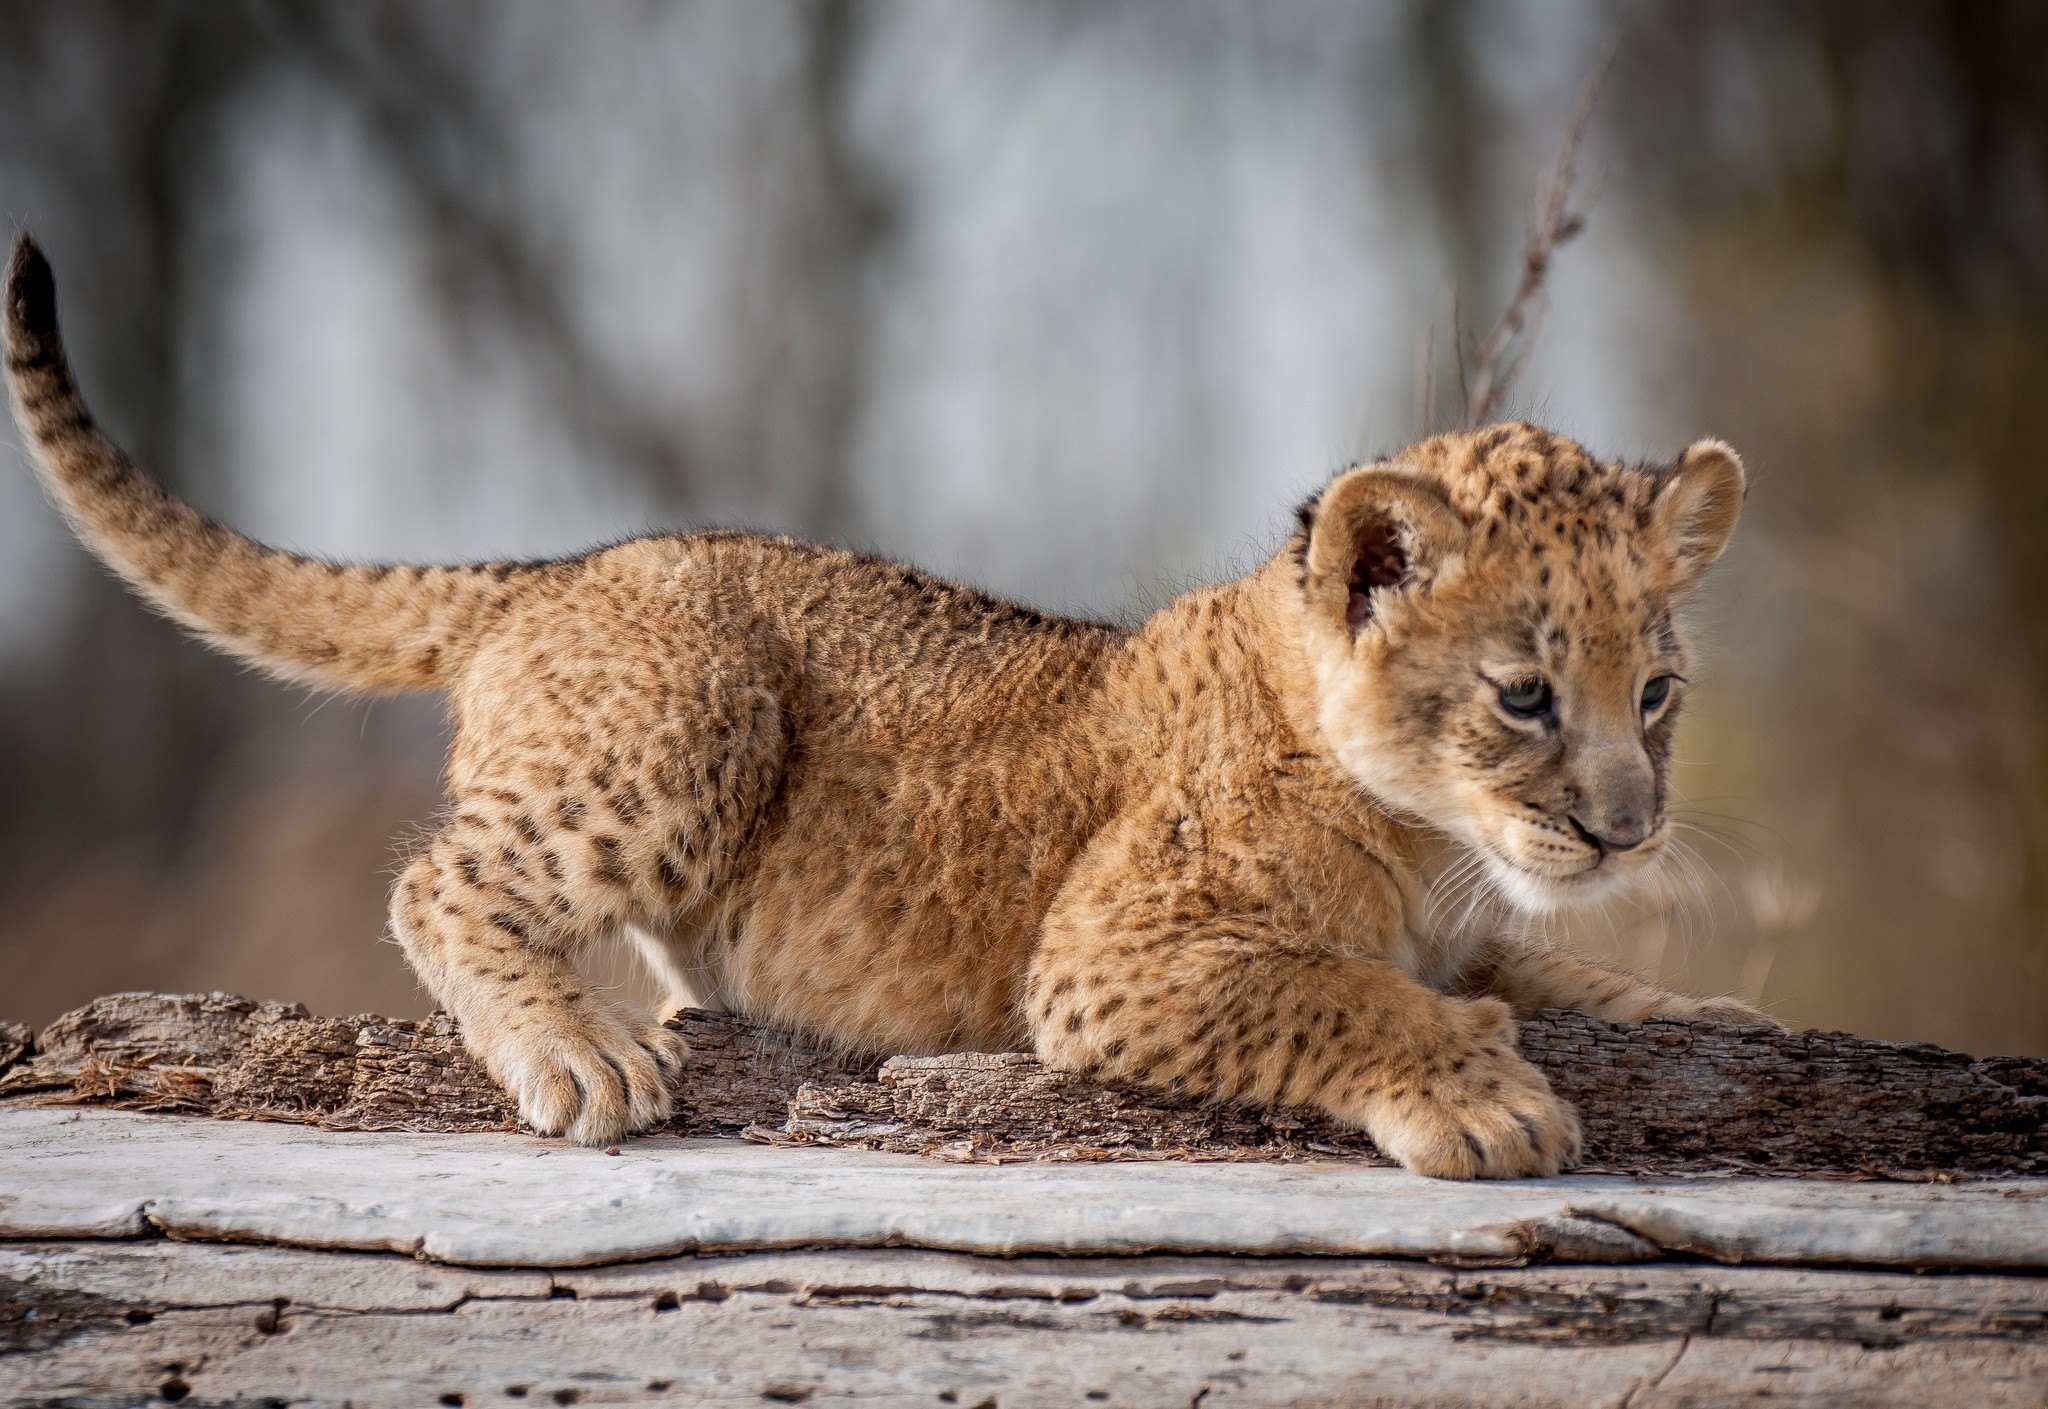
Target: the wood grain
(129, 1323)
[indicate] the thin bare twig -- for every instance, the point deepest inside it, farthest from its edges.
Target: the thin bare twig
(1425, 406)
(1560, 219)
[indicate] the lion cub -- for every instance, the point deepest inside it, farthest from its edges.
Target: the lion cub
(900, 815)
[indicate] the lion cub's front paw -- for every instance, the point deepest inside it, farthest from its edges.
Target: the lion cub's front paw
(1483, 1113)
(588, 1069)
(1713, 1010)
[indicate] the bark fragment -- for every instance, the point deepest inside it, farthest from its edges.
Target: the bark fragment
(1661, 1097)
(15, 1041)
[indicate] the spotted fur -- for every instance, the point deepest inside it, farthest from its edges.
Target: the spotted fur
(903, 816)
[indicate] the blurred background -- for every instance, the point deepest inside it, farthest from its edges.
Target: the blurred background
(1069, 300)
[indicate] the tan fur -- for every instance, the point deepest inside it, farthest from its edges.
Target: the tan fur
(1207, 854)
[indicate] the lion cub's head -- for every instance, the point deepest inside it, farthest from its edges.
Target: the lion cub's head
(1492, 623)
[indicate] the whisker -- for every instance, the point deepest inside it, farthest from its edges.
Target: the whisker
(1739, 847)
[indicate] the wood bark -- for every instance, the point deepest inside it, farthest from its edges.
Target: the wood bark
(1662, 1097)
(138, 1322)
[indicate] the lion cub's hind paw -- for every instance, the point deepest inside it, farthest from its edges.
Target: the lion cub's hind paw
(595, 1080)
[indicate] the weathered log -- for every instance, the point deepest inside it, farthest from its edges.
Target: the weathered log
(1662, 1097)
(144, 1322)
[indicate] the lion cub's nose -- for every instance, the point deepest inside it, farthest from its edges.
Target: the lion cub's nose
(1620, 831)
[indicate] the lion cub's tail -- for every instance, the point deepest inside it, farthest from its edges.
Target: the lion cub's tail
(331, 625)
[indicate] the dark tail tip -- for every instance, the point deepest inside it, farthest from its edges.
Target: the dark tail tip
(31, 302)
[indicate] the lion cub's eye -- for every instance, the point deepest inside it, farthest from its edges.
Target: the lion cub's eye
(1655, 693)
(1526, 699)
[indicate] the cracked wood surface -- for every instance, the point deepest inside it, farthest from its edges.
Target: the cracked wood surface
(1660, 1098)
(128, 1323)
(503, 1200)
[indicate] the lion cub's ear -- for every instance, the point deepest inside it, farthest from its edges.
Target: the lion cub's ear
(1375, 531)
(1697, 506)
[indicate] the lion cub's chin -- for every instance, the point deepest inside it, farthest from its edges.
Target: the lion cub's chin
(1535, 894)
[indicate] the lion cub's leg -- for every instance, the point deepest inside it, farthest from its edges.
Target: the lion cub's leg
(550, 848)
(498, 956)
(1136, 983)
(1530, 976)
